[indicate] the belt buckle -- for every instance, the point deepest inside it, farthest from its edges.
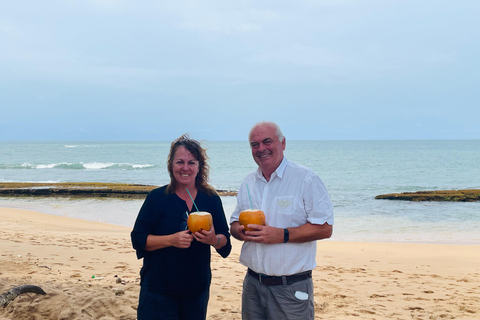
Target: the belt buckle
(260, 277)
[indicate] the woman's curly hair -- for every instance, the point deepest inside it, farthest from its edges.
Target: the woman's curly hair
(200, 154)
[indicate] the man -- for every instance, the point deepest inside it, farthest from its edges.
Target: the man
(280, 255)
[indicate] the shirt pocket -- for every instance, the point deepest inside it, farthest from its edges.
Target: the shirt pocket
(285, 205)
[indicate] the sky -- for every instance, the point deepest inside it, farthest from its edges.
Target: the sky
(323, 70)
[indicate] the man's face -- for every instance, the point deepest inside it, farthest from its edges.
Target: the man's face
(267, 149)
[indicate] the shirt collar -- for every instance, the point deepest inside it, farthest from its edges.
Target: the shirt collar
(277, 173)
(281, 168)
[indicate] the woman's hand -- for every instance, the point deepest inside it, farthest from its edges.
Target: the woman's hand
(207, 237)
(181, 239)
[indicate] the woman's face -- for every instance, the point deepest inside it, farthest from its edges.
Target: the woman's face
(185, 168)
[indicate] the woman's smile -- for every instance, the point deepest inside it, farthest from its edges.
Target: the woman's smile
(185, 167)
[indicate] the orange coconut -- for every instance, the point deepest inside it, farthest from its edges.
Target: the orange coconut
(199, 221)
(251, 216)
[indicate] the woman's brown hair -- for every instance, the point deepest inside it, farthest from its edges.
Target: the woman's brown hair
(200, 154)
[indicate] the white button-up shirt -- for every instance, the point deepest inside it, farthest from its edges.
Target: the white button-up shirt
(293, 196)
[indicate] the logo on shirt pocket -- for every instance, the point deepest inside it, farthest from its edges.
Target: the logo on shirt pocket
(284, 205)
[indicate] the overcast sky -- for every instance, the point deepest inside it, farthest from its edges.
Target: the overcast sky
(152, 70)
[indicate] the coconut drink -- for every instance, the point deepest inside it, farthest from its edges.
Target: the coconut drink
(251, 216)
(198, 221)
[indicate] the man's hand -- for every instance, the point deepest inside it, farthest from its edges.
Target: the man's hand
(261, 234)
(237, 231)
(264, 234)
(267, 234)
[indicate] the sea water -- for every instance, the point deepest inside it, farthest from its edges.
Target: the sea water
(354, 172)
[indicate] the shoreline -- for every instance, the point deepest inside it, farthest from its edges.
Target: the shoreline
(348, 228)
(352, 280)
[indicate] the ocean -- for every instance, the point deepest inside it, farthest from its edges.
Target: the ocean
(354, 172)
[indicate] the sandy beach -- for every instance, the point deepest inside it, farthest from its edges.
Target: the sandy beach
(89, 271)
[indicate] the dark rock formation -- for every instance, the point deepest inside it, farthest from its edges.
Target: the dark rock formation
(468, 195)
(81, 190)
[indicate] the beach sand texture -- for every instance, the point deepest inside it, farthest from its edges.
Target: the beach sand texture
(353, 280)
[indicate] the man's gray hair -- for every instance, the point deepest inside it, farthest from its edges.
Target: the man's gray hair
(278, 131)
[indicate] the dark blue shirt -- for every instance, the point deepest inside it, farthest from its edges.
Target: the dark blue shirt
(173, 270)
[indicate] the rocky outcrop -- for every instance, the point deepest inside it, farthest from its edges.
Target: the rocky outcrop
(81, 190)
(468, 195)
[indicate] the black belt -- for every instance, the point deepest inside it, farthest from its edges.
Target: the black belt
(276, 281)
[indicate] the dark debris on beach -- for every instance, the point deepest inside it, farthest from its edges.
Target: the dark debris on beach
(81, 190)
(468, 195)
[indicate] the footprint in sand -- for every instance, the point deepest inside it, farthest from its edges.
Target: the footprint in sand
(120, 267)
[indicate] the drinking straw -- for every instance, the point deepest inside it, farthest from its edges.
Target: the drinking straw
(192, 200)
(248, 191)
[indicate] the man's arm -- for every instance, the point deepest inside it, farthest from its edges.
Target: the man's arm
(267, 234)
(310, 232)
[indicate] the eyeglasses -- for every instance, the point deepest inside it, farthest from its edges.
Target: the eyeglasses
(183, 225)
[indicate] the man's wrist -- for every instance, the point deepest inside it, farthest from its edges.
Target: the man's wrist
(286, 235)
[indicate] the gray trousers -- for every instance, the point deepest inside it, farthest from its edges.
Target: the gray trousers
(281, 302)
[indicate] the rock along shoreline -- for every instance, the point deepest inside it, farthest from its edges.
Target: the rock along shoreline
(139, 191)
(468, 195)
(81, 190)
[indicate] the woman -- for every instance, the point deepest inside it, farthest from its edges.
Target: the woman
(176, 274)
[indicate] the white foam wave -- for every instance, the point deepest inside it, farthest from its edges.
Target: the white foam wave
(80, 146)
(42, 166)
(79, 166)
(111, 165)
(141, 166)
(98, 165)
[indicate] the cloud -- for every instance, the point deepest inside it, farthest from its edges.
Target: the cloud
(343, 66)
(299, 55)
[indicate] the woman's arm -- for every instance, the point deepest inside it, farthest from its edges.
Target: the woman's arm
(181, 239)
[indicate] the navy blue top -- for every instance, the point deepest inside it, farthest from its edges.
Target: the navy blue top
(173, 270)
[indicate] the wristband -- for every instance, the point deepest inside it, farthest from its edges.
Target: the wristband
(216, 244)
(286, 235)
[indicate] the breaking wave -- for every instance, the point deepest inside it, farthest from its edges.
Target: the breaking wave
(80, 166)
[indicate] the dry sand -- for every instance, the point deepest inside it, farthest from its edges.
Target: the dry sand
(354, 280)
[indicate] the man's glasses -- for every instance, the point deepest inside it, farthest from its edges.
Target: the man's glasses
(183, 225)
